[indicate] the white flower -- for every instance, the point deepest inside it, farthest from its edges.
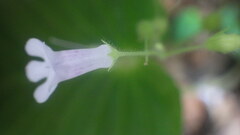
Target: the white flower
(59, 66)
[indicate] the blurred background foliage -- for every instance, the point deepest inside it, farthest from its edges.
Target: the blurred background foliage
(131, 99)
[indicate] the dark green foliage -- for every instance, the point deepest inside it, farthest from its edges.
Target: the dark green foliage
(129, 100)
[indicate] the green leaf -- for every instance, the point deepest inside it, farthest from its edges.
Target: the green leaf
(131, 99)
(187, 24)
(230, 16)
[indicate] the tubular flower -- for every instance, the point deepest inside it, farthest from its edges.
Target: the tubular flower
(58, 66)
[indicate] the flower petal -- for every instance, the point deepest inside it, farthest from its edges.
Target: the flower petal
(43, 92)
(35, 47)
(36, 70)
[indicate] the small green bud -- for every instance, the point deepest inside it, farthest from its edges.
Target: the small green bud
(159, 47)
(145, 29)
(152, 29)
(224, 43)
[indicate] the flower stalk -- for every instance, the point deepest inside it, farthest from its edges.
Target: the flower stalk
(161, 54)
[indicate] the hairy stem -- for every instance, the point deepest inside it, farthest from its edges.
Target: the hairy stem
(162, 55)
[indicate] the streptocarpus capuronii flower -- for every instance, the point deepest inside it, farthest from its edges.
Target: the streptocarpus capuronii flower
(58, 66)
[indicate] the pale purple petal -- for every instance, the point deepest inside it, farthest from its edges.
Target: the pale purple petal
(34, 47)
(37, 70)
(37, 48)
(43, 92)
